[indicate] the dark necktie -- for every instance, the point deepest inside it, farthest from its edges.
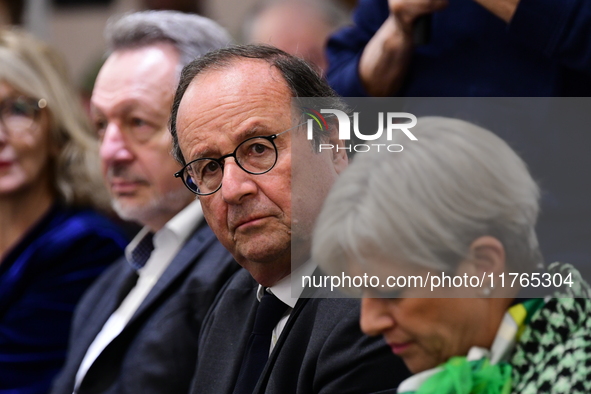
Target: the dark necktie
(141, 253)
(269, 312)
(137, 259)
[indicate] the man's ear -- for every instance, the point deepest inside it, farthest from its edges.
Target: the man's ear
(487, 254)
(340, 159)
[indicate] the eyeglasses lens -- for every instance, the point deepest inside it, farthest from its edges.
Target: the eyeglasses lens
(17, 115)
(255, 155)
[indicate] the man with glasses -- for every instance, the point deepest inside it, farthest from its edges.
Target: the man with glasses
(261, 186)
(136, 329)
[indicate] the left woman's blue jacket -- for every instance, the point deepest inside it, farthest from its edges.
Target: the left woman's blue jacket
(41, 281)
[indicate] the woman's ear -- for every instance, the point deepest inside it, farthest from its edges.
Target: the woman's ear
(487, 254)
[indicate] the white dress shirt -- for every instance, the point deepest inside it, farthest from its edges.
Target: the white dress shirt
(288, 293)
(167, 243)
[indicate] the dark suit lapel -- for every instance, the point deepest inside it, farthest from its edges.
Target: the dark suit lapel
(307, 293)
(106, 304)
(109, 301)
(297, 310)
(105, 369)
(224, 336)
(242, 316)
(190, 252)
(288, 326)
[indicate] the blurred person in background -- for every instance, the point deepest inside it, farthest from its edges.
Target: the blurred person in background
(298, 27)
(136, 329)
(187, 6)
(463, 48)
(11, 12)
(531, 50)
(53, 243)
(458, 200)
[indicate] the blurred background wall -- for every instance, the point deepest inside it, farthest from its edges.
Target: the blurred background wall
(75, 27)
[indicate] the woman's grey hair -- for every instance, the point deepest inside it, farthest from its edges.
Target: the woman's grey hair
(34, 69)
(427, 204)
(192, 35)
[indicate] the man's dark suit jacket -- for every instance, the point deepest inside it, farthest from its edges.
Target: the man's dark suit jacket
(156, 351)
(321, 349)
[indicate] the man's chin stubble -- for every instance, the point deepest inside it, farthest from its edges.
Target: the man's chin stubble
(169, 204)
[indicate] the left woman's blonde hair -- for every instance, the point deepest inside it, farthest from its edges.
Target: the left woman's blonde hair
(34, 69)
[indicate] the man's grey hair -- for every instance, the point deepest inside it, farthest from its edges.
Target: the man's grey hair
(302, 80)
(192, 35)
(427, 204)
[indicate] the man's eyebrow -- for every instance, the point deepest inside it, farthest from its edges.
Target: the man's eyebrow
(133, 106)
(96, 112)
(127, 107)
(119, 110)
(253, 131)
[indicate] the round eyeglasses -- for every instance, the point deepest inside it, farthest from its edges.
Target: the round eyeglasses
(255, 155)
(17, 115)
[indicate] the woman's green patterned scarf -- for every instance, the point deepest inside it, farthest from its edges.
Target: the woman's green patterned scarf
(527, 337)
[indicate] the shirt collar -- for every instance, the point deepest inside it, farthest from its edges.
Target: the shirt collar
(179, 227)
(184, 222)
(287, 291)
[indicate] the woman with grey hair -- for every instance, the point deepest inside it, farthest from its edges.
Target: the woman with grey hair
(458, 202)
(53, 243)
